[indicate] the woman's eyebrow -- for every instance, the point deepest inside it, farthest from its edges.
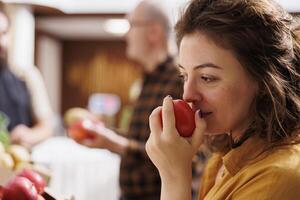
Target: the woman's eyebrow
(204, 65)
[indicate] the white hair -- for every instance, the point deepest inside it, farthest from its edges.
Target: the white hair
(154, 10)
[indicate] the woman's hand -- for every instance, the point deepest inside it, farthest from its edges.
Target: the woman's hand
(30, 136)
(24, 136)
(171, 153)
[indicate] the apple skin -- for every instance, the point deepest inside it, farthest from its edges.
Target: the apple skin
(38, 181)
(79, 130)
(20, 188)
(1, 192)
(184, 118)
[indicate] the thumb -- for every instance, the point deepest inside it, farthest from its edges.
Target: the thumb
(87, 142)
(198, 135)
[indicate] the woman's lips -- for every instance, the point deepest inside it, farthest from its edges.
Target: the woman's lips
(205, 114)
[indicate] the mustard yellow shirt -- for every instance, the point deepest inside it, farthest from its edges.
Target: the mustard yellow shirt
(254, 173)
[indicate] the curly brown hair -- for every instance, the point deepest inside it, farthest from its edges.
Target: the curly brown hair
(263, 38)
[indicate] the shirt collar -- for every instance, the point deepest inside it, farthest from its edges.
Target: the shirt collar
(161, 66)
(165, 62)
(248, 152)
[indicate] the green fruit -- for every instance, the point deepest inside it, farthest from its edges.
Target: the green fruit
(4, 138)
(4, 135)
(4, 121)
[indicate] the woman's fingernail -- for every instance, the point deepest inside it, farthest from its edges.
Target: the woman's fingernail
(169, 96)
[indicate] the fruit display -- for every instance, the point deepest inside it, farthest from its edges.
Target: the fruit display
(14, 156)
(19, 188)
(184, 118)
(19, 153)
(4, 136)
(6, 160)
(26, 185)
(20, 178)
(38, 181)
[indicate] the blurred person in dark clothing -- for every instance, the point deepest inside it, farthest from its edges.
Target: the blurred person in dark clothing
(23, 96)
(147, 43)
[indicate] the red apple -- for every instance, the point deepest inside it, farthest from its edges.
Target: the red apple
(38, 181)
(82, 129)
(184, 118)
(19, 188)
(1, 192)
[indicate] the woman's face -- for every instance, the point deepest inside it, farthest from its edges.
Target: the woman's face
(216, 83)
(3, 36)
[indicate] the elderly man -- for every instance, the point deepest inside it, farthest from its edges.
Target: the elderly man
(147, 43)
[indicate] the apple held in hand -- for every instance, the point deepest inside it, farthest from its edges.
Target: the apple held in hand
(184, 118)
(20, 188)
(38, 181)
(82, 129)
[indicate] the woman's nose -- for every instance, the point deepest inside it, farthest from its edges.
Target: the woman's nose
(190, 91)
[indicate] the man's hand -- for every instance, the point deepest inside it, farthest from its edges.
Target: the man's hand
(105, 138)
(102, 137)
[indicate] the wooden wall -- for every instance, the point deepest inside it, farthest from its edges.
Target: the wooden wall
(95, 67)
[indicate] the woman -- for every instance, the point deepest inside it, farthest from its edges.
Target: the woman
(240, 64)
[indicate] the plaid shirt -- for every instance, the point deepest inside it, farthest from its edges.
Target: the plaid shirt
(139, 178)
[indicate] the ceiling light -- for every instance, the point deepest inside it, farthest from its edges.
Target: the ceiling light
(116, 26)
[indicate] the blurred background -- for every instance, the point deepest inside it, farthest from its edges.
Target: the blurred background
(79, 47)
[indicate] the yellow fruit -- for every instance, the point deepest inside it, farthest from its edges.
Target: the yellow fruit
(75, 114)
(2, 149)
(19, 153)
(21, 165)
(6, 161)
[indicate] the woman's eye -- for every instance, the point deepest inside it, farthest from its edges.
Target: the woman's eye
(207, 79)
